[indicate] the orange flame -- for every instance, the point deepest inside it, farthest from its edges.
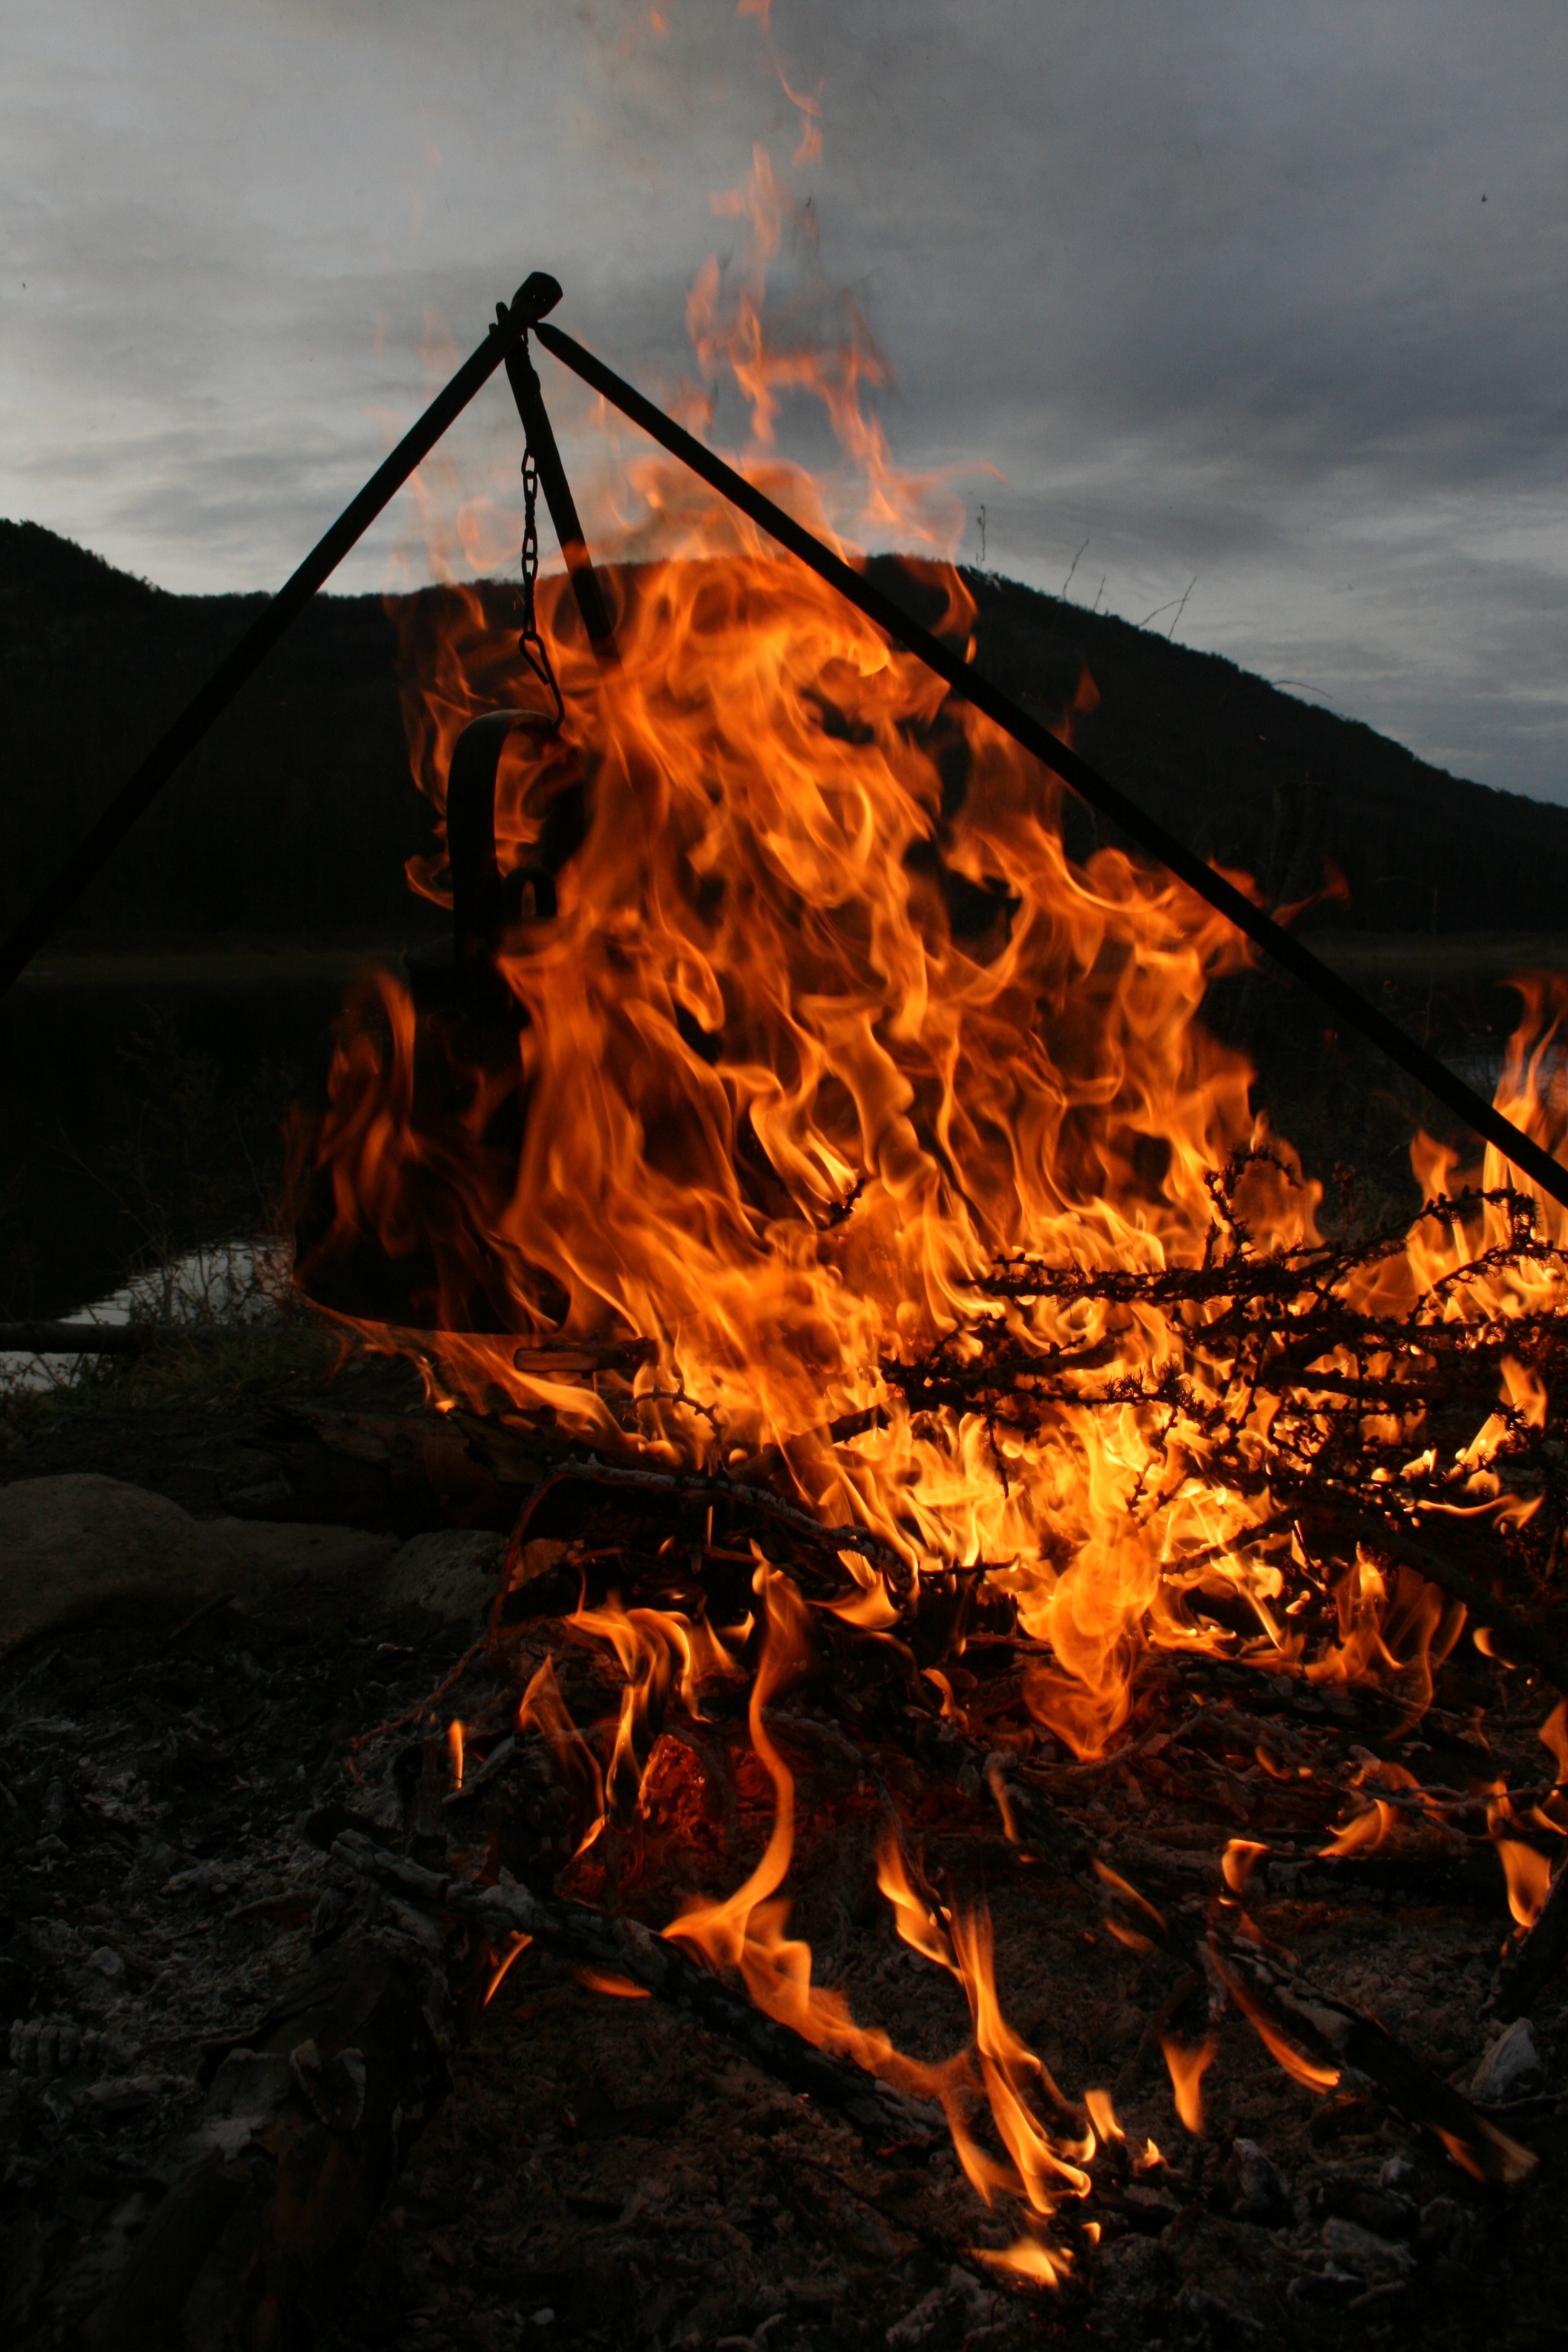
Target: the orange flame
(1103, 2116)
(913, 1918)
(1554, 1736)
(1241, 1858)
(1312, 2075)
(1529, 1878)
(1119, 1885)
(1363, 1833)
(746, 1931)
(455, 1750)
(518, 1944)
(1026, 2259)
(1006, 2066)
(542, 1705)
(617, 1988)
(660, 1651)
(829, 1023)
(1187, 2068)
(719, 1930)
(815, 1038)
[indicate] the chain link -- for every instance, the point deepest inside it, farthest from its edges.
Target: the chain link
(533, 645)
(529, 543)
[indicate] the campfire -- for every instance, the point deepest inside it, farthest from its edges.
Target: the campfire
(997, 1548)
(930, 1375)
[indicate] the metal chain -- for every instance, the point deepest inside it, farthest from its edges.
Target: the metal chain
(529, 543)
(531, 645)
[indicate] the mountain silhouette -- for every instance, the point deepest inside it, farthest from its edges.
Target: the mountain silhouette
(297, 813)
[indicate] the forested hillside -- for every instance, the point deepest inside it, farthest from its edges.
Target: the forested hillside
(297, 812)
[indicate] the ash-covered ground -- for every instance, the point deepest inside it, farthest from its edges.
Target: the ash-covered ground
(200, 1990)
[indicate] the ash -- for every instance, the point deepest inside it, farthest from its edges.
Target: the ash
(256, 2098)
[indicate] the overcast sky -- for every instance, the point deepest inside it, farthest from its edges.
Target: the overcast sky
(1269, 298)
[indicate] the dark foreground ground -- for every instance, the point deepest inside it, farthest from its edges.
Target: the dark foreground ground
(192, 1976)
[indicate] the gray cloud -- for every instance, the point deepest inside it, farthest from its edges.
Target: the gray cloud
(1214, 289)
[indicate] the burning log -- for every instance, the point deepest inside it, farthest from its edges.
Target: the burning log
(1024, 2143)
(710, 1493)
(1318, 2040)
(623, 1953)
(1322, 2042)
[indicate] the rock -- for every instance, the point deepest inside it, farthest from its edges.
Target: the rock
(1210, 2321)
(963, 2302)
(47, 2047)
(1263, 2198)
(1326, 2286)
(75, 1546)
(1511, 2068)
(923, 2321)
(334, 2086)
(1366, 2256)
(123, 2094)
(452, 1572)
(1444, 2229)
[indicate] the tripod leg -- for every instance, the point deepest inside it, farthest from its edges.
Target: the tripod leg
(558, 498)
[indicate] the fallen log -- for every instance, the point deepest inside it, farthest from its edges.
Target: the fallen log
(1317, 2037)
(699, 1488)
(1320, 2040)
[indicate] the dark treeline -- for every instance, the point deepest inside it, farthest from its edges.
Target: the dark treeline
(297, 813)
(1255, 779)
(294, 815)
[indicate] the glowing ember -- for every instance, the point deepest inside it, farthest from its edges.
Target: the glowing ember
(1525, 1868)
(1027, 2259)
(1239, 1860)
(514, 1952)
(614, 1988)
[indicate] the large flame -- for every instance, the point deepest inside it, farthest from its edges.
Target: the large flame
(997, 2075)
(828, 1024)
(826, 1027)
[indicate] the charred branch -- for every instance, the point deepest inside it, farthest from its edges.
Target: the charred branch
(626, 1950)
